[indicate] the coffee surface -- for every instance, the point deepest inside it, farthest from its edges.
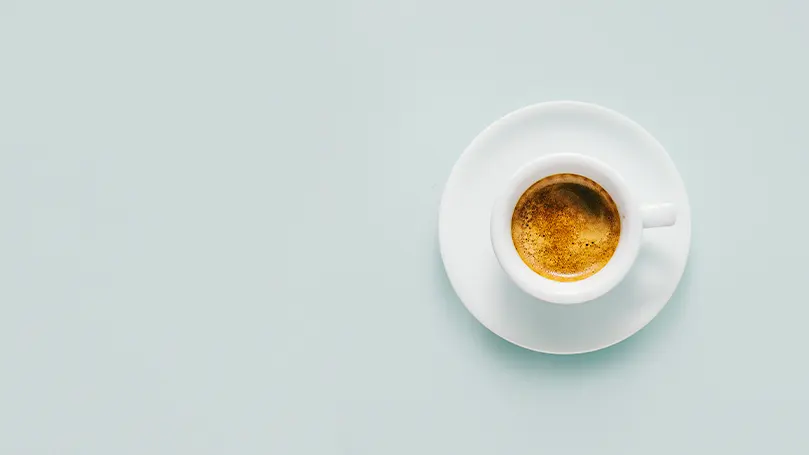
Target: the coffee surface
(566, 227)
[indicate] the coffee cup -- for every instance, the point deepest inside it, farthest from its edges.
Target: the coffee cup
(621, 247)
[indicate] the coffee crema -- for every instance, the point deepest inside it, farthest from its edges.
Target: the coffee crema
(566, 227)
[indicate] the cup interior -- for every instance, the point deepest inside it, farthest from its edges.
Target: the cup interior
(571, 292)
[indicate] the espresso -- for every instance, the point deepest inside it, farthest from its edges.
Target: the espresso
(566, 227)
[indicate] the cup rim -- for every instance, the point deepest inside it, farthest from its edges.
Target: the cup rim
(592, 287)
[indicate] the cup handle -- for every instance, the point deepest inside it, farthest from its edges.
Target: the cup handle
(658, 215)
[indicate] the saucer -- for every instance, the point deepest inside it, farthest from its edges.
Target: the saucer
(482, 172)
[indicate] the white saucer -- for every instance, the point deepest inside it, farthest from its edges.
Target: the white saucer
(481, 173)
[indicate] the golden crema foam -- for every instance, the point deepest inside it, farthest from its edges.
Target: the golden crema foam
(566, 227)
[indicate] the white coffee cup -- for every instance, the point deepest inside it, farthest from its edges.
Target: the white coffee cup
(634, 218)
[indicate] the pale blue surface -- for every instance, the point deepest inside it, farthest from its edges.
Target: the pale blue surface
(218, 229)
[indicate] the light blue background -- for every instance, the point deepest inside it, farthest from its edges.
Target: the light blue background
(218, 226)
